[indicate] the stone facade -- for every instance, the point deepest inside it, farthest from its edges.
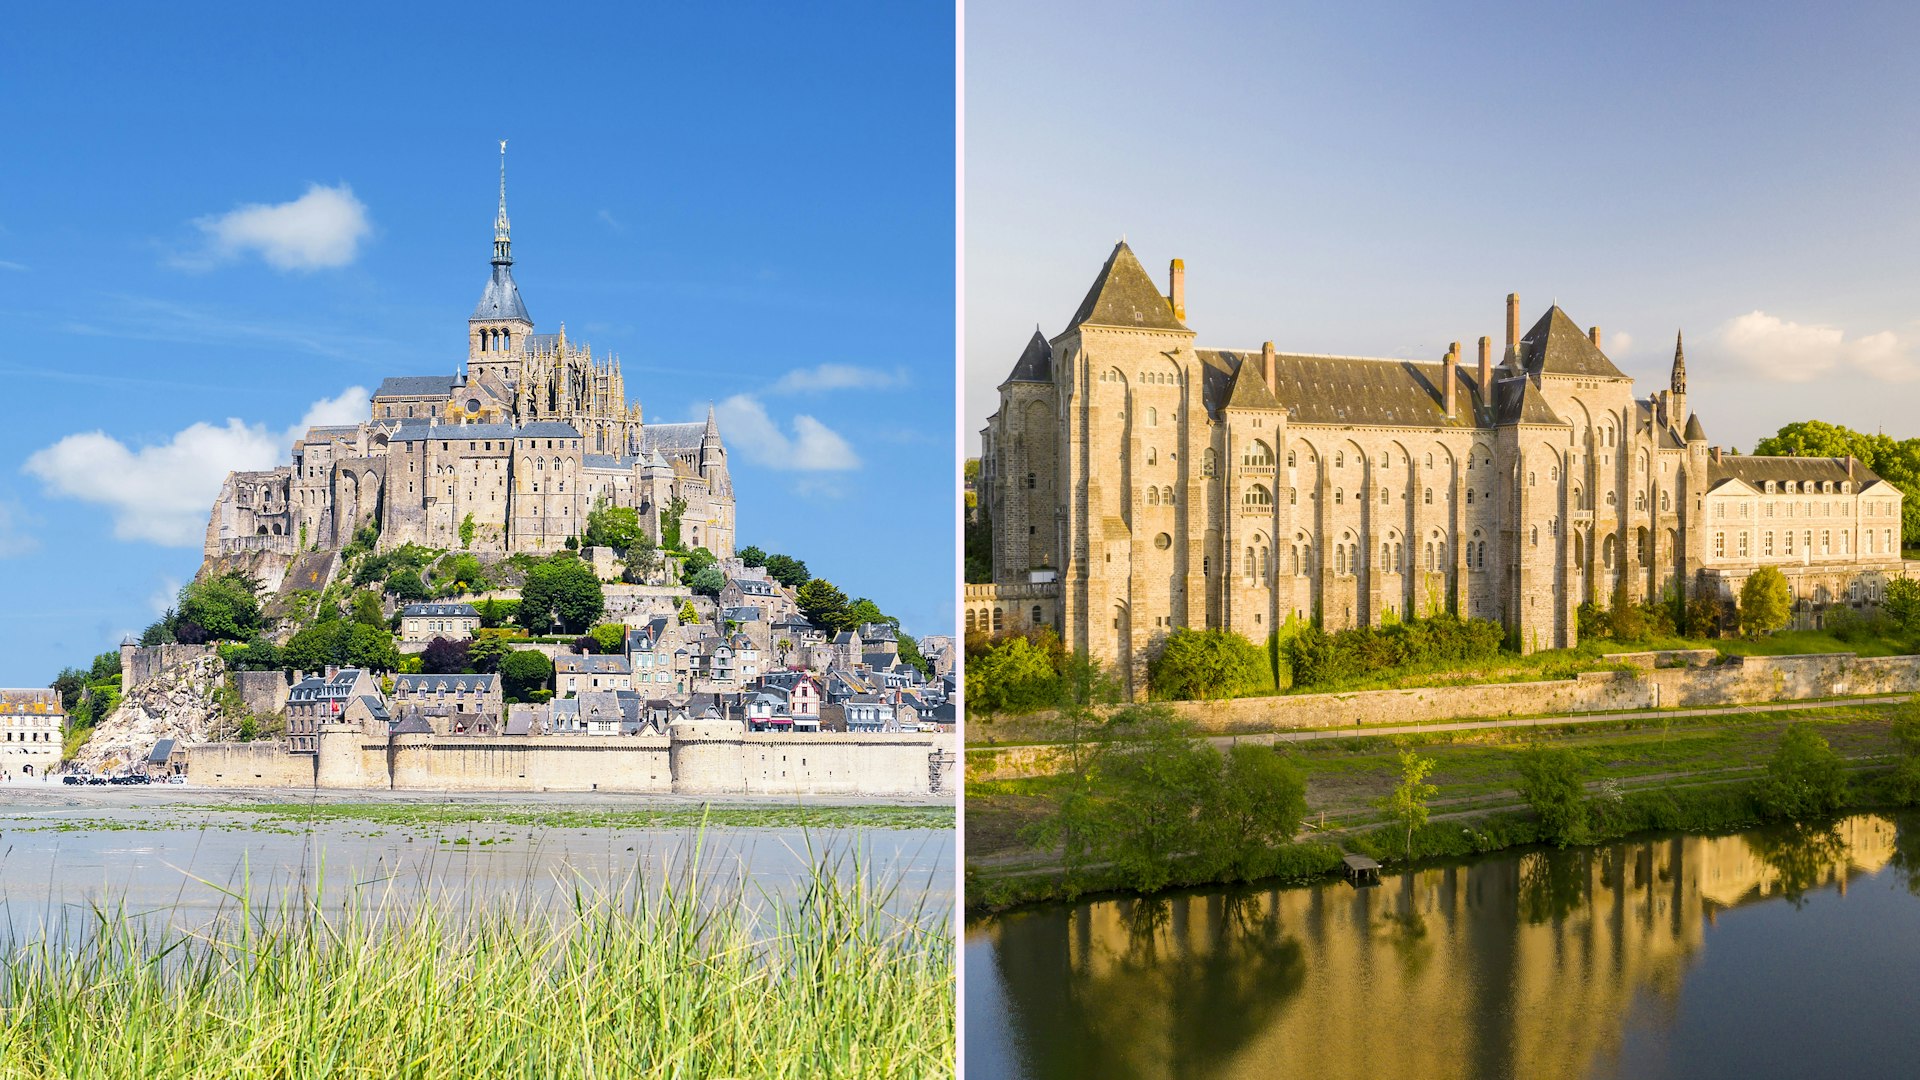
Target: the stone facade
(514, 448)
(33, 728)
(1138, 483)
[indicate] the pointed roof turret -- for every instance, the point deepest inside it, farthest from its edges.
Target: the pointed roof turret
(501, 299)
(1679, 365)
(1123, 295)
(1250, 389)
(1556, 346)
(1695, 433)
(713, 426)
(1036, 363)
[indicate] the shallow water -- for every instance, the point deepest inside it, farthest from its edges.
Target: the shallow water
(1777, 952)
(149, 852)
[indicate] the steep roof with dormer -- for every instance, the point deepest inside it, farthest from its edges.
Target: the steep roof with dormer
(1123, 295)
(1555, 346)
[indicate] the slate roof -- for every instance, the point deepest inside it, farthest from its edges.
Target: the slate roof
(1345, 389)
(501, 298)
(413, 724)
(162, 750)
(439, 610)
(1520, 402)
(1695, 433)
(1250, 387)
(417, 430)
(1756, 470)
(673, 436)
(1036, 363)
(591, 665)
(429, 684)
(756, 587)
(1123, 295)
(1556, 346)
(608, 461)
(418, 386)
(375, 707)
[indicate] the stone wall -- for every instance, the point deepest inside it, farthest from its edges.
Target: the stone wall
(265, 692)
(722, 761)
(1660, 680)
(141, 664)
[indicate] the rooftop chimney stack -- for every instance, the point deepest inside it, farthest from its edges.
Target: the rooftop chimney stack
(1178, 291)
(1452, 376)
(1593, 333)
(1486, 368)
(1267, 367)
(1513, 319)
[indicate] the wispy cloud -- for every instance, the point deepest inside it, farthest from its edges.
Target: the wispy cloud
(139, 318)
(9, 264)
(163, 598)
(606, 218)
(15, 537)
(827, 377)
(812, 446)
(1619, 343)
(319, 230)
(1773, 349)
(160, 493)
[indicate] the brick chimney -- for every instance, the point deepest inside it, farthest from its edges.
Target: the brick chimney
(1513, 319)
(1716, 455)
(1451, 378)
(1177, 291)
(1267, 366)
(1486, 368)
(1593, 335)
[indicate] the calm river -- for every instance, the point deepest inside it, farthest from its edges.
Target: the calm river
(1773, 953)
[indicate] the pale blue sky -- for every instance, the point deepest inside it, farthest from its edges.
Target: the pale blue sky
(750, 204)
(1374, 179)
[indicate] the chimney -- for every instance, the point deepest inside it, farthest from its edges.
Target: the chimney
(1267, 366)
(1513, 319)
(1177, 294)
(1486, 368)
(1716, 455)
(1593, 334)
(1451, 376)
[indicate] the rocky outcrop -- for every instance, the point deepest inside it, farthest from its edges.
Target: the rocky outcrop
(179, 701)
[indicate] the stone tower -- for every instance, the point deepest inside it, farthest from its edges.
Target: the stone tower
(498, 329)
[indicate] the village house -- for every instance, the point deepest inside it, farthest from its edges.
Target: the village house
(424, 622)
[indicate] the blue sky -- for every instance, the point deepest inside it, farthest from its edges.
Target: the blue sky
(1374, 179)
(214, 227)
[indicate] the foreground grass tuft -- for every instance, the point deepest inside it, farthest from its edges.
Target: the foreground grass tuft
(659, 981)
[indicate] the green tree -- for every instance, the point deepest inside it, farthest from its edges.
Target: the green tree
(670, 523)
(1906, 739)
(1552, 780)
(910, 652)
(1408, 803)
(225, 607)
(787, 570)
(1206, 664)
(1764, 602)
(367, 610)
(1902, 604)
(609, 638)
(697, 560)
(1012, 676)
(523, 672)
(485, 652)
(317, 646)
(461, 574)
(688, 616)
(407, 587)
(467, 531)
(1263, 798)
(752, 556)
(708, 582)
(823, 605)
(1804, 779)
(616, 527)
(1625, 620)
(863, 611)
(643, 560)
(561, 592)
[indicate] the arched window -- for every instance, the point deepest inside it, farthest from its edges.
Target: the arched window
(1530, 480)
(1293, 496)
(1166, 495)
(1032, 480)
(1249, 563)
(506, 340)
(1398, 551)
(1153, 495)
(1533, 536)
(1386, 556)
(1339, 496)
(1256, 496)
(1207, 462)
(1611, 500)
(1426, 497)
(1666, 502)
(1429, 461)
(1385, 496)
(1429, 556)
(1339, 459)
(1553, 474)
(998, 620)
(1609, 551)
(1153, 417)
(1340, 558)
(1293, 458)
(1153, 456)
(1257, 455)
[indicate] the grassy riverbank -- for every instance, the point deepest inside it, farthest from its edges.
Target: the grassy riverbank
(653, 982)
(1649, 773)
(433, 818)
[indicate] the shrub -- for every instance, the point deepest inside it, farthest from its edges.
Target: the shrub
(523, 672)
(1206, 664)
(1551, 780)
(1013, 676)
(1764, 602)
(1804, 779)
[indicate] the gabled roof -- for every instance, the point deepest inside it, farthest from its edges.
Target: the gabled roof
(1250, 389)
(1348, 389)
(418, 386)
(1556, 346)
(673, 436)
(1036, 363)
(1519, 401)
(1755, 470)
(1123, 295)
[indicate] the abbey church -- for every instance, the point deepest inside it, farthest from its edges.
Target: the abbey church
(513, 449)
(1137, 482)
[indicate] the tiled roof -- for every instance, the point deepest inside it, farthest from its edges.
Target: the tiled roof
(1556, 346)
(1123, 295)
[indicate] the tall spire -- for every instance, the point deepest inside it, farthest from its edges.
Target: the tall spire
(1679, 365)
(713, 428)
(502, 229)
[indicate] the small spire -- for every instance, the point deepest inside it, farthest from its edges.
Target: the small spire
(502, 229)
(713, 427)
(1679, 364)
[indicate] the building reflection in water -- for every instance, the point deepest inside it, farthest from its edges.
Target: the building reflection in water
(1511, 965)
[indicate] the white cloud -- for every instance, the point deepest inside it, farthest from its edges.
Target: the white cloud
(813, 447)
(14, 537)
(161, 493)
(837, 377)
(1619, 343)
(606, 218)
(162, 599)
(1776, 350)
(320, 229)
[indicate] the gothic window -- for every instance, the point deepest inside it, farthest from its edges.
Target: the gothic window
(1153, 417)
(1153, 496)
(1386, 556)
(1429, 461)
(1429, 559)
(1257, 455)
(1386, 460)
(1426, 497)
(1340, 558)
(1207, 462)
(1256, 496)
(1481, 559)
(1153, 456)
(1032, 480)
(1553, 474)
(1166, 495)
(1293, 496)
(1533, 536)
(1610, 499)
(998, 620)
(1530, 482)
(1339, 496)
(1293, 458)
(1640, 501)
(1666, 502)
(1385, 496)
(1339, 459)
(1249, 564)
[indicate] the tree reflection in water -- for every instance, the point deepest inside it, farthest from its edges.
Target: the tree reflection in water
(1802, 857)
(1553, 884)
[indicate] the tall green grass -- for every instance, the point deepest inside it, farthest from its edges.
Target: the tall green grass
(640, 980)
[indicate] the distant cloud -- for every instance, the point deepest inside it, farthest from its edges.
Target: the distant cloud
(14, 537)
(1619, 343)
(162, 599)
(161, 493)
(826, 377)
(318, 230)
(606, 218)
(8, 264)
(813, 447)
(1776, 350)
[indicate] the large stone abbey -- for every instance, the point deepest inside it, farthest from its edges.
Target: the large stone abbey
(1137, 483)
(517, 446)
